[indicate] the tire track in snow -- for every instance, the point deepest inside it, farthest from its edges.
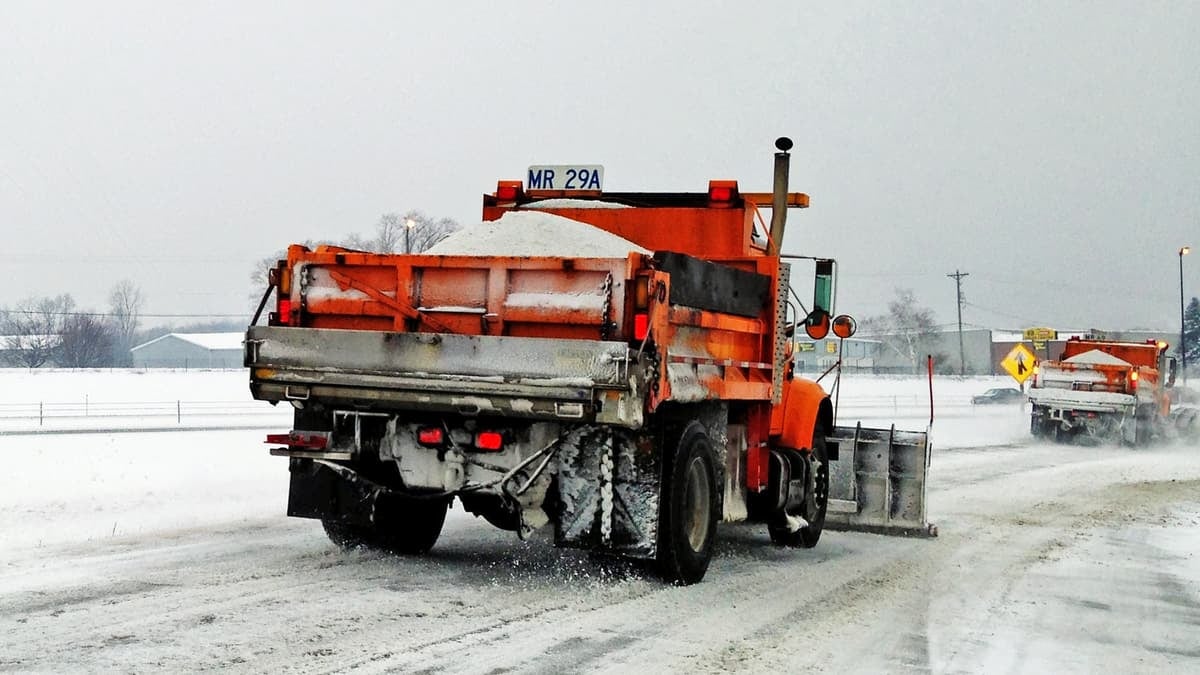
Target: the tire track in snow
(277, 596)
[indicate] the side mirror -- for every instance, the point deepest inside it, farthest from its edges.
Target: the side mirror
(844, 326)
(1172, 367)
(816, 325)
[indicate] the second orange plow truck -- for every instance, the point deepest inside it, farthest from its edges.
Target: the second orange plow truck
(614, 365)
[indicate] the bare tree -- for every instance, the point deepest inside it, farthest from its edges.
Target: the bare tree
(412, 232)
(125, 306)
(427, 231)
(86, 341)
(908, 328)
(33, 330)
(392, 232)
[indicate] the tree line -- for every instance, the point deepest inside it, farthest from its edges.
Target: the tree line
(52, 330)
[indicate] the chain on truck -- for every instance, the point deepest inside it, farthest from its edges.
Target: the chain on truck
(629, 402)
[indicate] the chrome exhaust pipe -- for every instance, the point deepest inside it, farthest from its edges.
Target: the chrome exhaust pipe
(779, 196)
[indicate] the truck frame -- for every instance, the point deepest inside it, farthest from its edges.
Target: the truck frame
(632, 401)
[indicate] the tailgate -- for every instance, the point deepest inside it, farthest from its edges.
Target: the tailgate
(587, 380)
(1074, 399)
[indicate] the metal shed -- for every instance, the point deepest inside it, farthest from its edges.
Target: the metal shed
(190, 350)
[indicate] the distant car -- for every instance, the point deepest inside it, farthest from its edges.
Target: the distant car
(1004, 395)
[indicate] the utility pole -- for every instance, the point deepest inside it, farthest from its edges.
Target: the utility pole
(962, 352)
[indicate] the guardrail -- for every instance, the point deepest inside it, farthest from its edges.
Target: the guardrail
(900, 401)
(43, 412)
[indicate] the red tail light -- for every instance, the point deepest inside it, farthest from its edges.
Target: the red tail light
(508, 190)
(641, 326)
(284, 315)
(431, 436)
(722, 190)
(489, 440)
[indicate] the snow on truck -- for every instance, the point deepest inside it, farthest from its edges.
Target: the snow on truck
(616, 365)
(1107, 390)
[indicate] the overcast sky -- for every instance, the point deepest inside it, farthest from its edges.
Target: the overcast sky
(1051, 150)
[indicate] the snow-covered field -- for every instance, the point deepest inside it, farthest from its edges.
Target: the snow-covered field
(61, 400)
(168, 551)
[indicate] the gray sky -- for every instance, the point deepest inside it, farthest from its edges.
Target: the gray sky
(1051, 150)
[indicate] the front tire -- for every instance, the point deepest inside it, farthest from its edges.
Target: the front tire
(402, 525)
(808, 535)
(688, 509)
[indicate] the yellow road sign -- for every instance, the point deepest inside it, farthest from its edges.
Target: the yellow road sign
(1019, 363)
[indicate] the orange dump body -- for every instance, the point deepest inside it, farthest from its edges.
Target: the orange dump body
(1139, 354)
(1141, 377)
(732, 356)
(1141, 373)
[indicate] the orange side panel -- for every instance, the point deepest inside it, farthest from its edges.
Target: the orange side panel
(758, 458)
(494, 295)
(794, 419)
(1137, 354)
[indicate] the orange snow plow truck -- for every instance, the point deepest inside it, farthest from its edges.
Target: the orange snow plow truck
(1108, 390)
(614, 365)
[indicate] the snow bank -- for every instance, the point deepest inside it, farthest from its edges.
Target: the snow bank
(534, 233)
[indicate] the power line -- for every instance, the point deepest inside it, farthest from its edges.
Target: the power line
(1023, 319)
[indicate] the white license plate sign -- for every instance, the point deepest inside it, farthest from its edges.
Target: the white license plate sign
(565, 177)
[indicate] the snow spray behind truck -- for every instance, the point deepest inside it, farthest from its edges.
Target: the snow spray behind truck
(616, 365)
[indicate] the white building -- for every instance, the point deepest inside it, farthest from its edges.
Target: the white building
(190, 350)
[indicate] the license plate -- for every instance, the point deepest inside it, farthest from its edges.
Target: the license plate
(565, 177)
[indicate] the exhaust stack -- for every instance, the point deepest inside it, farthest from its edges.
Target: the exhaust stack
(779, 200)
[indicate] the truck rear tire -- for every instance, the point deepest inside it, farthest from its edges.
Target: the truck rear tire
(402, 525)
(688, 509)
(810, 534)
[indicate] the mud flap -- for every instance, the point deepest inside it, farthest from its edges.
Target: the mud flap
(877, 483)
(331, 492)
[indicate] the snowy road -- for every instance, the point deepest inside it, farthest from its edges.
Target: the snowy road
(176, 557)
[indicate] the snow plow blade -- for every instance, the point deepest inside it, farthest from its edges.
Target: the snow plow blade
(877, 482)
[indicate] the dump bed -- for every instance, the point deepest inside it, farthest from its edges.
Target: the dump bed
(590, 338)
